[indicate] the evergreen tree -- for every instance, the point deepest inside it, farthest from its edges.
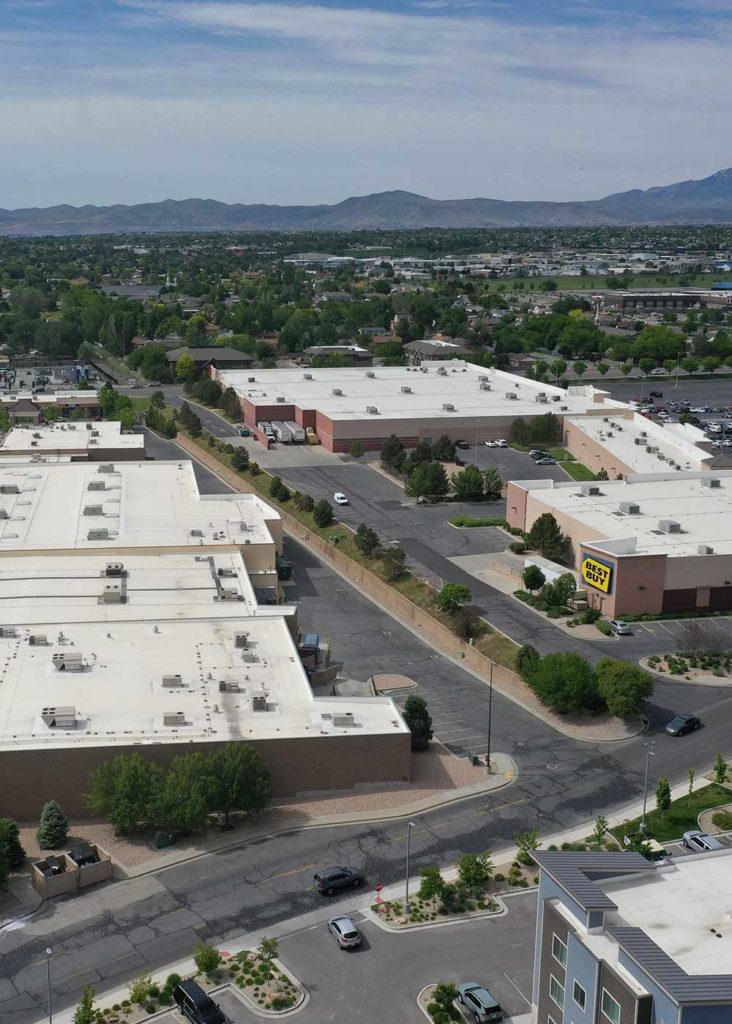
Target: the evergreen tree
(85, 1012)
(547, 538)
(366, 540)
(393, 453)
(53, 828)
(419, 721)
(323, 513)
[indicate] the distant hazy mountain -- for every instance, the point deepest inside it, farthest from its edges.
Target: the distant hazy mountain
(708, 201)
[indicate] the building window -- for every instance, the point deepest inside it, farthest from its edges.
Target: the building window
(559, 950)
(579, 995)
(556, 991)
(610, 1007)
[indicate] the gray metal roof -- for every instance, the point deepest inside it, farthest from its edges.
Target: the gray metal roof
(683, 987)
(576, 872)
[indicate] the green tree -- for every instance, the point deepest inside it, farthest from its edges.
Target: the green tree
(278, 490)
(240, 781)
(432, 883)
(692, 776)
(140, 988)
(187, 795)
(240, 459)
(53, 828)
(357, 450)
(267, 951)
(157, 400)
(323, 513)
(602, 369)
(564, 682)
(207, 959)
(546, 537)
(12, 854)
(444, 449)
(626, 369)
(579, 368)
(393, 453)
(492, 484)
(185, 369)
(393, 563)
(558, 368)
(445, 994)
(85, 1012)
(601, 829)
(126, 791)
(663, 796)
(526, 660)
(419, 721)
(474, 869)
(720, 770)
(533, 578)
(625, 688)
(366, 540)
(468, 484)
(428, 480)
(452, 596)
(527, 842)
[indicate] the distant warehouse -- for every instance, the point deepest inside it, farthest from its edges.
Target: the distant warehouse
(416, 403)
(655, 542)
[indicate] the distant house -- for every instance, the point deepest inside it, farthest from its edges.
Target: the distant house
(429, 349)
(322, 297)
(220, 356)
(358, 356)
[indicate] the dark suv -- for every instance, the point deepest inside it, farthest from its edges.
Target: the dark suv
(194, 1004)
(333, 880)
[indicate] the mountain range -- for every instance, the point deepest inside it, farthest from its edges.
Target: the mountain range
(706, 201)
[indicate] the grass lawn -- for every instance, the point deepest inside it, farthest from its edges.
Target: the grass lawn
(578, 471)
(140, 402)
(468, 522)
(680, 817)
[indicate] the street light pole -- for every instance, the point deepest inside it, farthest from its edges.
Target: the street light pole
(490, 718)
(407, 905)
(48, 973)
(649, 754)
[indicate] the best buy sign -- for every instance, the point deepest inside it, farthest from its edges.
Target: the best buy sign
(597, 573)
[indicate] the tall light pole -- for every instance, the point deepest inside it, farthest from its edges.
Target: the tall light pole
(490, 717)
(407, 905)
(649, 754)
(49, 953)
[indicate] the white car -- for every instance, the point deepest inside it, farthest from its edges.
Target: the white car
(490, 444)
(658, 372)
(500, 443)
(339, 498)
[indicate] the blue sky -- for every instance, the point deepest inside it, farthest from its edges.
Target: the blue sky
(105, 101)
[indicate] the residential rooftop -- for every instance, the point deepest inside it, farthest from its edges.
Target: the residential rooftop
(347, 393)
(62, 438)
(153, 505)
(674, 513)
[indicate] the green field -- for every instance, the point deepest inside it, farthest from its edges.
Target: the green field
(680, 817)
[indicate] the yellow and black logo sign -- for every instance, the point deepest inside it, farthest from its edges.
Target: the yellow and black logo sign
(598, 574)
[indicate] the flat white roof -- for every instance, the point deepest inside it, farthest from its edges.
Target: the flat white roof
(681, 908)
(59, 397)
(62, 437)
(139, 504)
(703, 513)
(117, 694)
(453, 381)
(629, 437)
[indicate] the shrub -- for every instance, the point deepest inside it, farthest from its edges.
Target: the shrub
(723, 820)
(140, 988)
(604, 627)
(206, 958)
(172, 980)
(517, 546)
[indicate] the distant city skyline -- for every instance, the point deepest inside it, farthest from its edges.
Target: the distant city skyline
(130, 101)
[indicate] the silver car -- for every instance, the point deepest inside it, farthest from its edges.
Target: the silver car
(700, 842)
(345, 932)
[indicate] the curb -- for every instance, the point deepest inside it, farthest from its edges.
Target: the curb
(418, 926)
(271, 1014)
(419, 996)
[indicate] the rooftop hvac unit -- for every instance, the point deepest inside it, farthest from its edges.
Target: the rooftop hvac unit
(405, 389)
(619, 428)
(704, 549)
(251, 380)
(93, 440)
(556, 398)
(669, 526)
(95, 433)
(38, 640)
(4, 514)
(711, 481)
(259, 701)
(34, 444)
(94, 510)
(98, 535)
(637, 440)
(89, 426)
(343, 718)
(196, 533)
(563, 408)
(9, 489)
(336, 391)
(629, 508)
(307, 376)
(280, 398)
(36, 435)
(228, 573)
(228, 687)
(512, 395)
(541, 398)
(171, 682)
(112, 594)
(7, 632)
(370, 374)
(96, 485)
(448, 407)
(60, 717)
(230, 594)
(105, 467)
(541, 394)
(661, 457)
(643, 433)
(372, 410)
(605, 419)
(174, 718)
(241, 639)
(65, 661)
(590, 489)
(249, 657)
(485, 387)
(482, 378)
(114, 569)
(442, 371)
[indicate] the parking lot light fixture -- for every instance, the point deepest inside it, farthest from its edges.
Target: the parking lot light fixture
(407, 904)
(649, 754)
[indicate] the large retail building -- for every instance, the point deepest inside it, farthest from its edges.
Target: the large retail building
(416, 403)
(651, 543)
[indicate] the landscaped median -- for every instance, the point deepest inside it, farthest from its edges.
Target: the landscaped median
(488, 654)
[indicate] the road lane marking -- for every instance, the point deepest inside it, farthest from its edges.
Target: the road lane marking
(289, 874)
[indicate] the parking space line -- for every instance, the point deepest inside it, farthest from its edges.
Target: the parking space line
(512, 982)
(665, 627)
